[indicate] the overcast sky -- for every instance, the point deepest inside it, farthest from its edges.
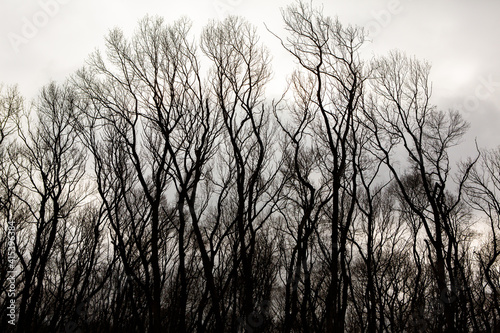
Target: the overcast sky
(43, 40)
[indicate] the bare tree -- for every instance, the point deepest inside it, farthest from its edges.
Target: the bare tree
(51, 164)
(482, 190)
(210, 208)
(158, 130)
(240, 72)
(405, 116)
(328, 53)
(11, 104)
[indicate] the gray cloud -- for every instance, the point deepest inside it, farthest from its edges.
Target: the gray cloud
(457, 36)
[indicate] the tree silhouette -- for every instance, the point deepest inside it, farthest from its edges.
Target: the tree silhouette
(160, 189)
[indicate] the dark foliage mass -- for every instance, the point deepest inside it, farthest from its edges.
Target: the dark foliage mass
(159, 190)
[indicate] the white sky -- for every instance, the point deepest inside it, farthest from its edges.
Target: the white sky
(458, 37)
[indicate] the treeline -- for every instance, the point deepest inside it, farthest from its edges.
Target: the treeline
(159, 190)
